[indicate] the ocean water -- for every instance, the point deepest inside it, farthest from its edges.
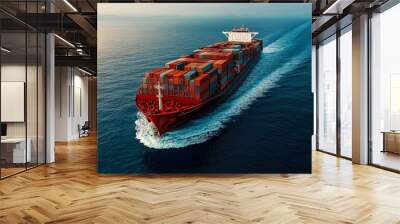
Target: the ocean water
(264, 127)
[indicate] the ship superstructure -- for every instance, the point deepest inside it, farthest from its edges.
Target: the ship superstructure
(241, 34)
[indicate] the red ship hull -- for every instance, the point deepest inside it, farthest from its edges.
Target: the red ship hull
(167, 121)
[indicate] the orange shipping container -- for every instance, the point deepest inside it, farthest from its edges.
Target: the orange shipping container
(221, 64)
(155, 73)
(197, 60)
(199, 67)
(214, 55)
(213, 78)
(157, 70)
(176, 64)
(191, 65)
(201, 80)
(176, 81)
(178, 74)
(202, 96)
(177, 77)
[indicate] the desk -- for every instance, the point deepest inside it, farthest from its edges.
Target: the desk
(391, 141)
(19, 154)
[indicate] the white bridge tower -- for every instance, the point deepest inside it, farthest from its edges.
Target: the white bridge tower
(241, 34)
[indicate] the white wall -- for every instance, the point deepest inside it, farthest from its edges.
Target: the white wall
(13, 72)
(17, 73)
(80, 112)
(9, 73)
(62, 83)
(71, 87)
(13, 100)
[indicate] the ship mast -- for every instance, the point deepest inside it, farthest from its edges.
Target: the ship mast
(159, 95)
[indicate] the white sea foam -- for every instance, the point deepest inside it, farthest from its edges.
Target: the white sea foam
(272, 49)
(201, 129)
(285, 41)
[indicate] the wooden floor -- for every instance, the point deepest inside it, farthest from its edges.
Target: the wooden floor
(387, 159)
(70, 191)
(5, 172)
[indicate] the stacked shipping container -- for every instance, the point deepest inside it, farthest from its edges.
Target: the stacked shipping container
(204, 73)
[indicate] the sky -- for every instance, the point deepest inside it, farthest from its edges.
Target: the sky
(206, 9)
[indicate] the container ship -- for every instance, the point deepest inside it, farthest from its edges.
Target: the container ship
(189, 86)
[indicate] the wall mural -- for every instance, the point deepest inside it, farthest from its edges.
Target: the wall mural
(204, 88)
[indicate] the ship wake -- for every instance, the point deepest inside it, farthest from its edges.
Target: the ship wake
(255, 86)
(285, 41)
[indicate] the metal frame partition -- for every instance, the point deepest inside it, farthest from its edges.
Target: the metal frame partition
(336, 29)
(338, 75)
(341, 31)
(369, 90)
(318, 93)
(1, 24)
(382, 8)
(35, 93)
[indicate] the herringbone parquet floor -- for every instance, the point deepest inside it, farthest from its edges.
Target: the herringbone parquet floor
(70, 191)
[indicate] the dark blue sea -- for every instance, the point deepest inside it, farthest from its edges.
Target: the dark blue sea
(265, 127)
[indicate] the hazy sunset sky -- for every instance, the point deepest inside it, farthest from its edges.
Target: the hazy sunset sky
(205, 10)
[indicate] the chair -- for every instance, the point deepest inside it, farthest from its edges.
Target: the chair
(84, 130)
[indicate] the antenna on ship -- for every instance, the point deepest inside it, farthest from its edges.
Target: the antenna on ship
(159, 95)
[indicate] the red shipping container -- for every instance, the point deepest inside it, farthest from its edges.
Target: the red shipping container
(176, 81)
(155, 73)
(213, 78)
(214, 55)
(202, 95)
(157, 70)
(197, 60)
(207, 49)
(173, 64)
(221, 64)
(177, 74)
(191, 65)
(213, 72)
(186, 56)
(199, 67)
(177, 77)
(201, 80)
